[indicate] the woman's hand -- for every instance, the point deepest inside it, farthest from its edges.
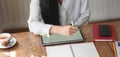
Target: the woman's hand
(64, 30)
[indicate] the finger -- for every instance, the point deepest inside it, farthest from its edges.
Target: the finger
(73, 28)
(72, 32)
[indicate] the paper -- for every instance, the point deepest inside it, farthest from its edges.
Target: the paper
(59, 51)
(73, 50)
(85, 50)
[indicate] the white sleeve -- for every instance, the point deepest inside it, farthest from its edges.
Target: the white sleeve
(35, 22)
(84, 13)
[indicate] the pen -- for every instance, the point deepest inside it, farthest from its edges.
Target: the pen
(72, 23)
(114, 47)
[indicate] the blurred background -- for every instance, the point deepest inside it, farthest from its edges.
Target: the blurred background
(14, 13)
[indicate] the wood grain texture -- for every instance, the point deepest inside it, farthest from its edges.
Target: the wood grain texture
(28, 45)
(104, 49)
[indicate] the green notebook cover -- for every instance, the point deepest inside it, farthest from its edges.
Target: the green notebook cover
(61, 39)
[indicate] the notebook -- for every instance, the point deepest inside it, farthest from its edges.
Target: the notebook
(73, 50)
(56, 39)
(100, 32)
(118, 48)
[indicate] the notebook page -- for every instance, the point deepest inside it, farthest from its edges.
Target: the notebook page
(59, 51)
(85, 50)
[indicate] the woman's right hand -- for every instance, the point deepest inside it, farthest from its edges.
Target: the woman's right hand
(64, 30)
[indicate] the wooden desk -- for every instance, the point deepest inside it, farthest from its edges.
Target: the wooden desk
(28, 45)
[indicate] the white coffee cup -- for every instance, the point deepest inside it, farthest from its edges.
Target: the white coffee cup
(4, 38)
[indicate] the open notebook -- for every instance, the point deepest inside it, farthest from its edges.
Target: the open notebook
(73, 50)
(61, 39)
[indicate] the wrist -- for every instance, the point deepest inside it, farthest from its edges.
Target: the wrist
(54, 29)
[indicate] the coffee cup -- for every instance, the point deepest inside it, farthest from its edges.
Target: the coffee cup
(4, 38)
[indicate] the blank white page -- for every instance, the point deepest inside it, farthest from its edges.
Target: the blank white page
(84, 50)
(59, 51)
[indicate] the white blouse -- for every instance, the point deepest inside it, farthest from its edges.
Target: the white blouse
(70, 10)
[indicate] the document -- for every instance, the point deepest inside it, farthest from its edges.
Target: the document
(73, 50)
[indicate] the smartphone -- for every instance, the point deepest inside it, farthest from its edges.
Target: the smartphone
(104, 31)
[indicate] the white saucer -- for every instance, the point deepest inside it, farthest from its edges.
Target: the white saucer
(12, 43)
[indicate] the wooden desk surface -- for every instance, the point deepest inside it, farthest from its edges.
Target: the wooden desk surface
(28, 45)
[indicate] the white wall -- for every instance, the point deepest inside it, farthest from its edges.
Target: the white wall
(17, 11)
(104, 10)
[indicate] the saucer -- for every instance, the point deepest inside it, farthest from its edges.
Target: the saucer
(11, 44)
